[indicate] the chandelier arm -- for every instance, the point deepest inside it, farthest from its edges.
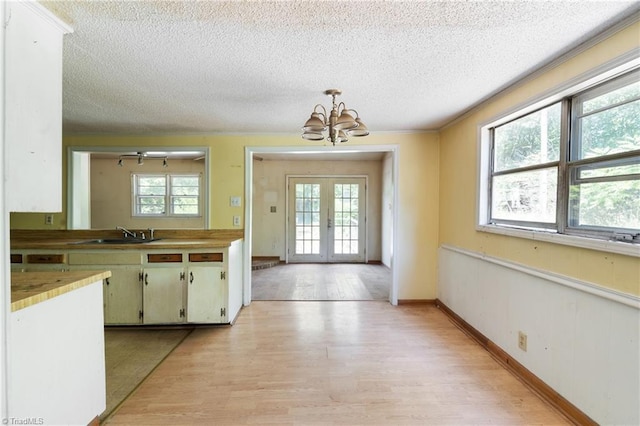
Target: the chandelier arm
(353, 110)
(323, 113)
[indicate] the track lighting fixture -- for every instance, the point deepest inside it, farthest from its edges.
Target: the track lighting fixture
(140, 157)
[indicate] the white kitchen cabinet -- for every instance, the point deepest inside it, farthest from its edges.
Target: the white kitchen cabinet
(123, 296)
(122, 293)
(147, 286)
(33, 114)
(56, 354)
(163, 295)
(206, 295)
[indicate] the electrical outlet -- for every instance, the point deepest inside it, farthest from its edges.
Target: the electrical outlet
(236, 221)
(522, 341)
(235, 201)
(48, 219)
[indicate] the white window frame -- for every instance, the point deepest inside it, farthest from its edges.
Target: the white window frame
(168, 204)
(559, 235)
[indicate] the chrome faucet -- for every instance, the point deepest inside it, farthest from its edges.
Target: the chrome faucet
(126, 232)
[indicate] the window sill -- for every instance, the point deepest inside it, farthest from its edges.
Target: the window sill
(628, 249)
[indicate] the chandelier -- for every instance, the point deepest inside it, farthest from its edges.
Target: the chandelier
(339, 123)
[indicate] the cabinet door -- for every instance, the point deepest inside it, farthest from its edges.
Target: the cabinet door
(33, 129)
(206, 295)
(123, 296)
(162, 291)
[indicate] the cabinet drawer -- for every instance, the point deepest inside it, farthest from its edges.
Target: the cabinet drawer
(205, 257)
(45, 258)
(16, 258)
(106, 258)
(161, 258)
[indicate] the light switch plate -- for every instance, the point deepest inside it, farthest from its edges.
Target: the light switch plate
(235, 201)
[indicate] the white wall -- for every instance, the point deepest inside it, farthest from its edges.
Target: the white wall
(582, 340)
(269, 189)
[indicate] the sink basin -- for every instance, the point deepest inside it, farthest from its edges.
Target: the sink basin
(116, 241)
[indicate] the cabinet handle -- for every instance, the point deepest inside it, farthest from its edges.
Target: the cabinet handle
(146, 280)
(106, 281)
(190, 277)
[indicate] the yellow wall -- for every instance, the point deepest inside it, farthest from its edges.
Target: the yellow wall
(437, 187)
(417, 186)
(458, 177)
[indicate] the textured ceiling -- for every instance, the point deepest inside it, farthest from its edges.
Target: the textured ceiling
(260, 67)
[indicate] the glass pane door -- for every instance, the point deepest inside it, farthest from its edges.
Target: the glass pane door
(326, 219)
(346, 230)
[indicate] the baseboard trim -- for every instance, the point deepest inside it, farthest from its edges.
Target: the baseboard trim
(546, 392)
(431, 302)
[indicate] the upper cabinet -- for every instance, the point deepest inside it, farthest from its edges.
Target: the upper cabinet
(33, 108)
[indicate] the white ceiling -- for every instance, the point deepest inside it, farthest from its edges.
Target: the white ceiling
(260, 67)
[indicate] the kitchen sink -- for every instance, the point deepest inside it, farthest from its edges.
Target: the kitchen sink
(117, 241)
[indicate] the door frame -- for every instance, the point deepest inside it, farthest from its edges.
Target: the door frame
(341, 176)
(251, 151)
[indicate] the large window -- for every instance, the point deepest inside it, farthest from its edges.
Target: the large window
(572, 166)
(166, 194)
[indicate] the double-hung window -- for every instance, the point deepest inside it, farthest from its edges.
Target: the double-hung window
(168, 195)
(571, 166)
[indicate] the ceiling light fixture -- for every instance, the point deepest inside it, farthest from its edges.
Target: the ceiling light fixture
(339, 123)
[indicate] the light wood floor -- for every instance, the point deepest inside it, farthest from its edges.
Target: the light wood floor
(333, 363)
(328, 281)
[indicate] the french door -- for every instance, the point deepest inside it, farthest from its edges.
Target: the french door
(326, 219)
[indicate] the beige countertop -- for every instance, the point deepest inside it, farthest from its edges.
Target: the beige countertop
(86, 244)
(29, 288)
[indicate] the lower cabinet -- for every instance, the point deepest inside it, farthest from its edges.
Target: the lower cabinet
(123, 296)
(163, 295)
(160, 286)
(206, 295)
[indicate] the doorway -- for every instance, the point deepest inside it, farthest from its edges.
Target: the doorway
(266, 203)
(326, 217)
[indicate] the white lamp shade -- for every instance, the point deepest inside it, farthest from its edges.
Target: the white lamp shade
(312, 136)
(314, 124)
(361, 130)
(345, 121)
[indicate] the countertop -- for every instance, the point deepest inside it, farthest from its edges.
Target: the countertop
(29, 288)
(85, 244)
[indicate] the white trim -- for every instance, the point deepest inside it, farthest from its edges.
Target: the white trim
(46, 15)
(250, 151)
(205, 187)
(5, 266)
(587, 287)
(610, 69)
(322, 176)
(617, 66)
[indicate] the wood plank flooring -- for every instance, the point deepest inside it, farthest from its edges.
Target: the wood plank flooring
(333, 363)
(328, 281)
